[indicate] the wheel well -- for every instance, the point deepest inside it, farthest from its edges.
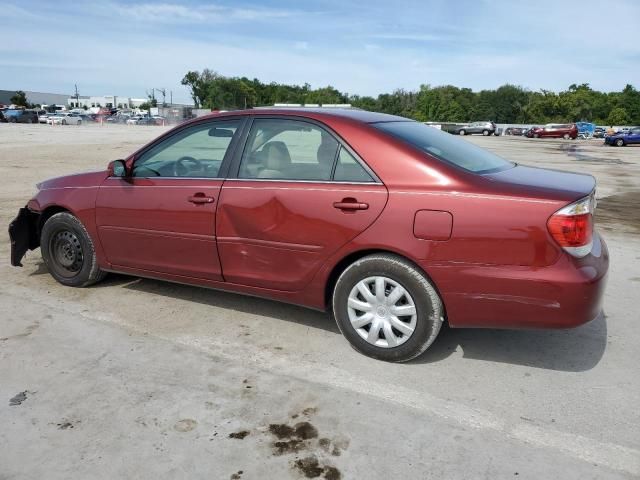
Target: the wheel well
(46, 214)
(349, 259)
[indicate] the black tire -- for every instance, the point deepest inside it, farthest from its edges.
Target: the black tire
(485, 133)
(462, 132)
(428, 305)
(536, 135)
(68, 251)
(64, 122)
(619, 142)
(566, 136)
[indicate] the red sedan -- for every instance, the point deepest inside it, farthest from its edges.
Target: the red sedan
(392, 225)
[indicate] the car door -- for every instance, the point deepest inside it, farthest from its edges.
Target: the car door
(634, 136)
(297, 195)
(162, 217)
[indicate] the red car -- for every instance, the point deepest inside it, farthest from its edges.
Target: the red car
(392, 225)
(555, 130)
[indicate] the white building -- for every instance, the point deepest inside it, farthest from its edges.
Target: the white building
(105, 101)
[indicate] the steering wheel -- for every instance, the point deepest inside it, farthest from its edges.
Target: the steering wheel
(180, 169)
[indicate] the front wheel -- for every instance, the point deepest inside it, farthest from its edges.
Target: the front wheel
(462, 132)
(64, 122)
(386, 308)
(619, 142)
(566, 136)
(68, 251)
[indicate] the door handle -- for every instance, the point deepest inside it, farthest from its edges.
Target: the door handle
(200, 198)
(350, 204)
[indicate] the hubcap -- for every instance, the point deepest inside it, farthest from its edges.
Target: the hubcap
(66, 251)
(382, 312)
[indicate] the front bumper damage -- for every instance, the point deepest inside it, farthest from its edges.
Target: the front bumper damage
(24, 235)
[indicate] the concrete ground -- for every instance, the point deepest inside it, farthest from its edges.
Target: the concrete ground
(137, 378)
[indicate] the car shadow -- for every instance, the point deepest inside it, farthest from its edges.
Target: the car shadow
(575, 350)
(227, 300)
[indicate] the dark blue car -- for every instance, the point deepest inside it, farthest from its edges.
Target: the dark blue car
(627, 137)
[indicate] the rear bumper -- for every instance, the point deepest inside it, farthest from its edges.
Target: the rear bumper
(564, 295)
(23, 233)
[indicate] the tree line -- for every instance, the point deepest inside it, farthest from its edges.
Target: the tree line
(505, 104)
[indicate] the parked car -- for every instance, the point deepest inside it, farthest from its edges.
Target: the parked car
(621, 139)
(392, 225)
(518, 131)
(484, 128)
(65, 118)
(44, 116)
(137, 120)
(555, 130)
(21, 116)
(599, 132)
(2, 117)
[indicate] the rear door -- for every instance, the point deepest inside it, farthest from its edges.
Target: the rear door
(162, 219)
(299, 194)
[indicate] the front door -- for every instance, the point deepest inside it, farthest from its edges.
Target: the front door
(162, 218)
(298, 196)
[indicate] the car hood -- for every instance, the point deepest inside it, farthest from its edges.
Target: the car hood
(88, 179)
(543, 182)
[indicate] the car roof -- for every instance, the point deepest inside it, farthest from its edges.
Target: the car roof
(350, 113)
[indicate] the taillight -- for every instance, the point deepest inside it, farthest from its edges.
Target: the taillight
(572, 226)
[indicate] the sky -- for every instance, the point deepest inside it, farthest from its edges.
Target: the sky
(361, 47)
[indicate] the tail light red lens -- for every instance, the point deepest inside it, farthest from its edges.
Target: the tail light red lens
(572, 226)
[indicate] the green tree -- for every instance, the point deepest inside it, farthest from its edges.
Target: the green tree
(19, 99)
(618, 116)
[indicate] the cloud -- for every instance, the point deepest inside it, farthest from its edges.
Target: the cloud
(180, 13)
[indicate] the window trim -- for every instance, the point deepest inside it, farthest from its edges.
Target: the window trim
(226, 161)
(234, 170)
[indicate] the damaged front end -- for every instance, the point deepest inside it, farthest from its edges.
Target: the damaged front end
(23, 232)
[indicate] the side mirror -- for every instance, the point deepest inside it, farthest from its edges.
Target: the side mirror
(117, 168)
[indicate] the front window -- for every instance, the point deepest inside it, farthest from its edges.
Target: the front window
(445, 146)
(195, 152)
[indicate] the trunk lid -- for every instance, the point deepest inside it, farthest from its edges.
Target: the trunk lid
(543, 182)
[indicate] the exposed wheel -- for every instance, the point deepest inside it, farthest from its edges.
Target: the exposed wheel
(485, 133)
(386, 308)
(68, 251)
(64, 122)
(79, 122)
(619, 142)
(462, 132)
(536, 135)
(566, 136)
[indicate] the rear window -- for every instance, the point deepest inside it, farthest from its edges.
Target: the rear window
(445, 146)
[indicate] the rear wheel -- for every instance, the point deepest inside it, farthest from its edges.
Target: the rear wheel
(536, 135)
(68, 251)
(485, 133)
(386, 308)
(619, 142)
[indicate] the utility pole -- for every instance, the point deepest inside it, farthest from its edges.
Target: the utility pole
(77, 95)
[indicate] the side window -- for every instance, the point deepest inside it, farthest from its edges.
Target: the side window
(349, 169)
(196, 151)
(288, 150)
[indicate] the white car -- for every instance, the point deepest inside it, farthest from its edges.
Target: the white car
(43, 117)
(65, 119)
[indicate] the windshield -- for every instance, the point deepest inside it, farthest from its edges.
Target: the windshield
(445, 146)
